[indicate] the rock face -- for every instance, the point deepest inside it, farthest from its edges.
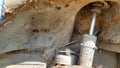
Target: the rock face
(46, 24)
